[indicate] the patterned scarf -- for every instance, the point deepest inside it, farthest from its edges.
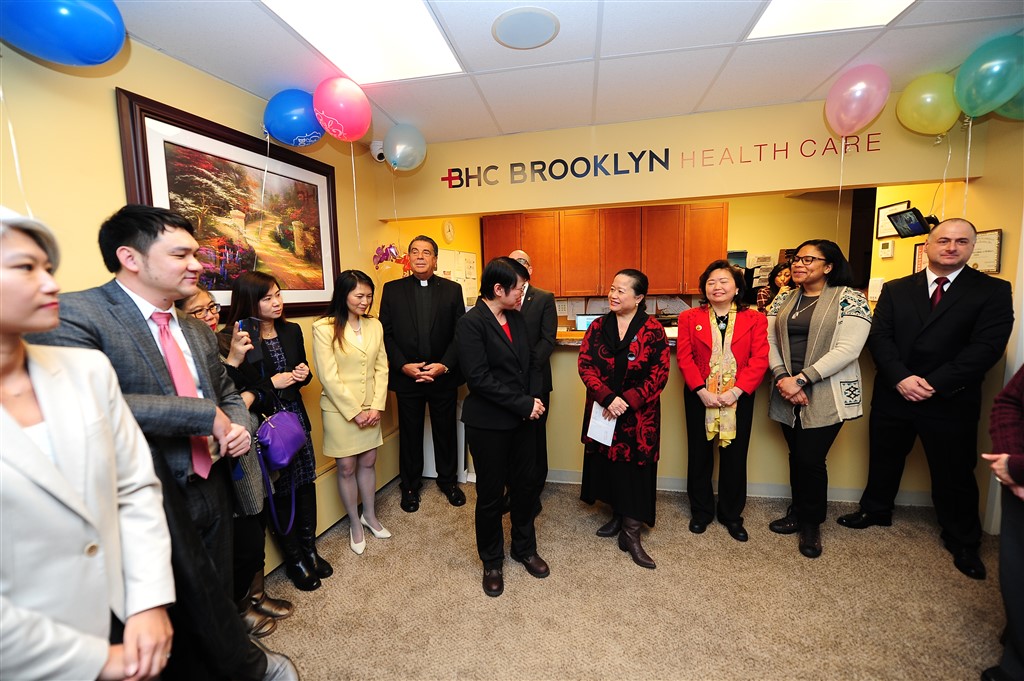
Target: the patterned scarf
(721, 420)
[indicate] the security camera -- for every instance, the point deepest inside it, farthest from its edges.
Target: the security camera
(377, 150)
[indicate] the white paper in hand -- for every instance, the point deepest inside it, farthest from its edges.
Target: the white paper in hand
(601, 429)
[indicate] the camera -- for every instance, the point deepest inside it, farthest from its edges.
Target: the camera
(377, 151)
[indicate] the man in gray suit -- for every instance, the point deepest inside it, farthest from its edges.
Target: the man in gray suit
(538, 306)
(151, 252)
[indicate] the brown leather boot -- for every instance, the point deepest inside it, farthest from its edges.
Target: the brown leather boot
(256, 623)
(610, 528)
(629, 541)
(278, 608)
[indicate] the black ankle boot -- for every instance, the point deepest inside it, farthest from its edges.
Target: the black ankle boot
(629, 541)
(610, 528)
(305, 521)
(298, 569)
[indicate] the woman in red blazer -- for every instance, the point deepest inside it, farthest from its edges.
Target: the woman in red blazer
(722, 350)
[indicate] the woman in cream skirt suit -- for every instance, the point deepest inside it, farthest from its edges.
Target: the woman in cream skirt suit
(349, 356)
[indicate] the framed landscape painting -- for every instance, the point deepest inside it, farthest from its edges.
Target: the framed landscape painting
(254, 206)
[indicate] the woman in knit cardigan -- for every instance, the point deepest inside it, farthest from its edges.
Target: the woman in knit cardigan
(815, 335)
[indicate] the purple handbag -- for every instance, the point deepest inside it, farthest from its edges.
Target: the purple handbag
(281, 436)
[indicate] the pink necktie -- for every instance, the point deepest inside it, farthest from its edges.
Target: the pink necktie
(937, 293)
(185, 386)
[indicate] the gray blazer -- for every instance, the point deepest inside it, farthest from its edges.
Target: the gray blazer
(106, 319)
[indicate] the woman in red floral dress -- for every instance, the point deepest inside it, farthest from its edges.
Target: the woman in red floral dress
(624, 363)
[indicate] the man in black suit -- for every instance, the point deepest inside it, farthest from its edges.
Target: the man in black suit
(418, 314)
(934, 335)
(538, 307)
(151, 252)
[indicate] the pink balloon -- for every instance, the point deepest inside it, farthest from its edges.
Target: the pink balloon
(342, 109)
(856, 98)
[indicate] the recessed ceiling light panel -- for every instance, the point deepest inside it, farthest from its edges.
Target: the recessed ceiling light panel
(795, 17)
(525, 28)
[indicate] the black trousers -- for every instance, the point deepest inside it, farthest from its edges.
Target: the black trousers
(950, 446)
(504, 459)
(1011, 567)
(411, 417)
(808, 476)
(250, 551)
(541, 430)
(732, 462)
(210, 641)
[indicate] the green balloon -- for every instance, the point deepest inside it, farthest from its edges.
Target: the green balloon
(991, 76)
(1014, 108)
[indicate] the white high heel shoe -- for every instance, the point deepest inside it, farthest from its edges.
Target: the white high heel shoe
(357, 548)
(382, 533)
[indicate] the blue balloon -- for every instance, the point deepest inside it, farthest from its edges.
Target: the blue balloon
(72, 32)
(404, 147)
(1014, 108)
(990, 76)
(289, 118)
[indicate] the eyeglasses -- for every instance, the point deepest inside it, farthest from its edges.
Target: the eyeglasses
(212, 308)
(523, 261)
(806, 260)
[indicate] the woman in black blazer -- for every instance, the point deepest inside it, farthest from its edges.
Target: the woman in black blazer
(279, 369)
(500, 414)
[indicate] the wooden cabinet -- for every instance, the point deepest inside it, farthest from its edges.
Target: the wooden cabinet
(620, 242)
(705, 240)
(500, 235)
(662, 238)
(535, 233)
(580, 253)
(539, 238)
(577, 252)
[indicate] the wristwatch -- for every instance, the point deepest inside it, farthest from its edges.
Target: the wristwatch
(801, 381)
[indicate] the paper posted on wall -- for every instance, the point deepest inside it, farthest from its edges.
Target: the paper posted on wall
(601, 429)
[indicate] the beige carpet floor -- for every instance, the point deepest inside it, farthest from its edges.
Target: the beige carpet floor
(881, 603)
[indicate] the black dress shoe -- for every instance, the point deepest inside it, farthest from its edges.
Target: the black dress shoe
(788, 524)
(410, 500)
(698, 527)
(494, 583)
(455, 495)
(995, 674)
(863, 519)
(968, 562)
(810, 540)
(535, 565)
(736, 530)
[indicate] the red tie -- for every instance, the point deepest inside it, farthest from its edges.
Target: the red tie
(185, 386)
(937, 293)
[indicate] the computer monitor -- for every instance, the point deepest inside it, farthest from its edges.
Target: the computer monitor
(583, 321)
(909, 223)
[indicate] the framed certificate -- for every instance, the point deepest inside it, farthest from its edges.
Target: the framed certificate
(884, 228)
(987, 251)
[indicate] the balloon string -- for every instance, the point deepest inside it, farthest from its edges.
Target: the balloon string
(14, 153)
(839, 200)
(355, 196)
(394, 198)
(945, 171)
(967, 173)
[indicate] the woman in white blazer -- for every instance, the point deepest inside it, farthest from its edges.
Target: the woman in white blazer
(84, 545)
(349, 356)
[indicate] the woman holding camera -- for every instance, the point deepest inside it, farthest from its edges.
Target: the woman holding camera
(274, 370)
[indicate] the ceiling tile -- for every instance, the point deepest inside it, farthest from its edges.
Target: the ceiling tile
(782, 71)
(542, 98)
(635, 26)
(626, 92)
(468, 25)
(443, 109)
(943, 11)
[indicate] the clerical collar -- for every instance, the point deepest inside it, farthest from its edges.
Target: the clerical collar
(424, 282)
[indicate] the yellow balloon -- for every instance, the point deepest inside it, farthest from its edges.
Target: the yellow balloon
(928, 105)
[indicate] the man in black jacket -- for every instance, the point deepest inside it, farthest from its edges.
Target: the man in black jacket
(418, 314)
(538, 307)
(934, 335)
